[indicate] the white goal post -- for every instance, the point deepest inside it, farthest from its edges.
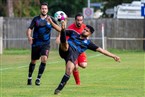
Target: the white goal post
(103, 36)
(1, 35)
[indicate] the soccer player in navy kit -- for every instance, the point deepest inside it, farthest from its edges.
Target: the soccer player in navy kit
(70, 49)
(40, 42)
(77, 26)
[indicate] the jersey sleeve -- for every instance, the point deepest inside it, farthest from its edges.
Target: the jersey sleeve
(32, 23)
(68, 32)
(92, 46)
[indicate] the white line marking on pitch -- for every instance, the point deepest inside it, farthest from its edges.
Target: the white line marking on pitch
(2, 69)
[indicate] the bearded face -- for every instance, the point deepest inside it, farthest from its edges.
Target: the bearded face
(44, 10)
(79, 21)
(86, 33)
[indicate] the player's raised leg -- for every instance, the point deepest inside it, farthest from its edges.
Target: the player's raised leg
(63, 42)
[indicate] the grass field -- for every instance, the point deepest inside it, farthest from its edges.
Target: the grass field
(102, 78)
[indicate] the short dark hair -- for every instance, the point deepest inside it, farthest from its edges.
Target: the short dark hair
(91, 28)
(43, 3)
(79, 14)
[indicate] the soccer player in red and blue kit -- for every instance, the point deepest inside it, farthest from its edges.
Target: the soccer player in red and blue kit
(81, 61)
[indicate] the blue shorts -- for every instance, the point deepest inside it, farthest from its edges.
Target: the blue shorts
(38, 51)
(70, 55)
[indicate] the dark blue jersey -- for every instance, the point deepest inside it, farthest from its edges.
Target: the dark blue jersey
(41, 32)
(80, 45)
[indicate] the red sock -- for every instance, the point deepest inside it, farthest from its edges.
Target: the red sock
(76, 76)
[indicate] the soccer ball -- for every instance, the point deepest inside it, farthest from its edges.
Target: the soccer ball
(60, 16)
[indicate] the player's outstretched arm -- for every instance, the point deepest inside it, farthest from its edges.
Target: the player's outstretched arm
(107, 53)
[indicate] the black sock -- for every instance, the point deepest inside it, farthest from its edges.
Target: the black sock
(63, 36)
(41, 70)
(63, 82)
(31, 69)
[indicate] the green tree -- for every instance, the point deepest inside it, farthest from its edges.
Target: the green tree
(26, 8)
(3, 8)
(70, 7)
(30, 8)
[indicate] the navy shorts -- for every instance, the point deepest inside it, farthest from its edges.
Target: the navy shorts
(39, 51)
(70, 55)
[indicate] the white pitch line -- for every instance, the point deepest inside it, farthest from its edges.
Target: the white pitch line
(95, 56)
(2, 69)
(26, 66)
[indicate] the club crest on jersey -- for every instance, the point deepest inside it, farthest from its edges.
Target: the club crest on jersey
(48, 23)
(85, 41)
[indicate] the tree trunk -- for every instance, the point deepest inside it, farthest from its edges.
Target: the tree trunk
(10, 12)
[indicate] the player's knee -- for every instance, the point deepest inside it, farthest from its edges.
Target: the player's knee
(83, 65)
(43, 59)
(76, 67)
(33, 61)
(64, 46)
(68, 73)
(69, 67)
